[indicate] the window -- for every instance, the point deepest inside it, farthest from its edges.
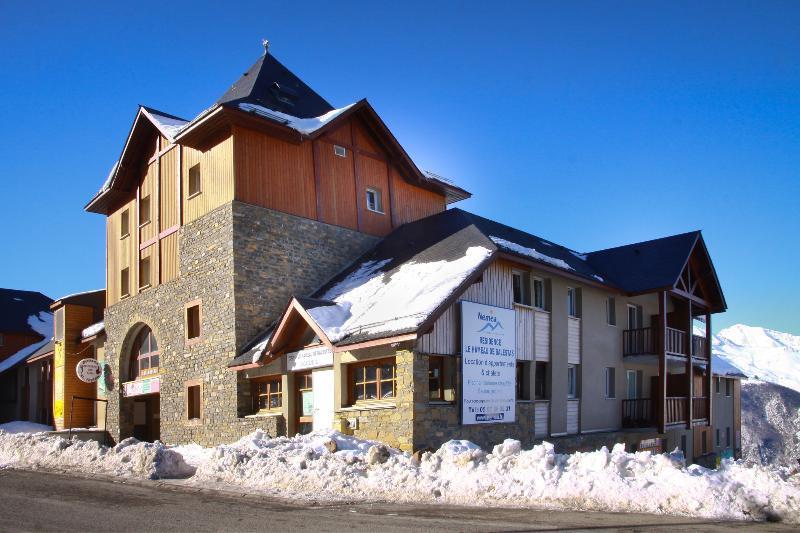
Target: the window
(436, 377)
(124, 224)
(540, 391)
(58, 319)
(374, 201)
(521, 285)
(523, 380)
(572, 381)
(144, 272)
(373, 380)
(538, 293)
(144, 210)
(145, 355)
(728, 386)
(194, 180)
(611, 382)
(718, 441)
(633, 317)
(124, 283)
(572, 304)
(632, 384)
(192, 320)
(340, 151)
(267, 393)
(727, 437)
(611, 311)
(717, 384)
(193, 400)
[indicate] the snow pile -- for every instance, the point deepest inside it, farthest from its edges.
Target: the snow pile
(23, 426)
(42, 323)
(760, 353)
(530, 252)
(93, 330)
(129, 458)
(305, 126)
(371, 301)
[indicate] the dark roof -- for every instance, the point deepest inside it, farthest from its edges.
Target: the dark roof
(270, 84)
(45, 349)
(16, 306)
(645, 266)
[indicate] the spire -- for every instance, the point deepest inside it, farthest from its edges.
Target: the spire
(265, 44)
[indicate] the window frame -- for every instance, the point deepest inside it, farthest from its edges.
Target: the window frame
(572, 382)
(436, 362)
(524, 287)
(635, 309)
(188, 386)
(198, 304)
(611, 372)
(142, 261)
(378, 381)
(379, 200)
(535, 296)
(728, 387)
(572, 302)
(125, 288)
(269, 394)
(537, 380)
(137, 356)
(522, 378)
(194, 172)
(125, 224)
(145, 200)
(611, 311)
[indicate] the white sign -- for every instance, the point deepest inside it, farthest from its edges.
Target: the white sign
(488, 364)
(88, 370)
(309, 358)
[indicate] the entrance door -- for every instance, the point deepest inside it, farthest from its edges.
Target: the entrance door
(147, 418)
(630, 376)
(323, 399)
(305, 402)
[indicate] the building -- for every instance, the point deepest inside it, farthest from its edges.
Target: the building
(276, 263)
(25, 326)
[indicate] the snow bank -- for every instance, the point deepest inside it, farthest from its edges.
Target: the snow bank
(130, 458)
(23, 426)
(306, 468)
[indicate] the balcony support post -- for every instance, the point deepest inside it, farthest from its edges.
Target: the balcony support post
(662, 361)
(708, 357)
(690, 367)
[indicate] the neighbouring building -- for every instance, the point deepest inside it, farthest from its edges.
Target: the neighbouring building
(279, 264)
(25, 326)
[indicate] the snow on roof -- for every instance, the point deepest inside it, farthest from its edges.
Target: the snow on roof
(107, 183)
(530, 252)
(77, 294)
(42, 323)
(93, 330)
(305, 126)
(373, 302)
(169, 126)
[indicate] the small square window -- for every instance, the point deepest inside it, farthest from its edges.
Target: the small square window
(193, 401)
(124, 224)
(340, 151)
(194, 180)
(374, 201)
(124, 283)
(144, 272)
(144, 210)
(193, 321)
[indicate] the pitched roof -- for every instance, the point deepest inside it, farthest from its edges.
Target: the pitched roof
(270, 84)
(45, 349)
(16, 308)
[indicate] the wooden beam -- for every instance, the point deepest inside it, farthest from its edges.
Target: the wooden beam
(662, 360)
(376, 342)
(690, 365)
(699, 301)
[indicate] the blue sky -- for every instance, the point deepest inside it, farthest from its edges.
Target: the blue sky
(589, 123)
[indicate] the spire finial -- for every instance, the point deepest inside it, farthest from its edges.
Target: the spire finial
(265, 44)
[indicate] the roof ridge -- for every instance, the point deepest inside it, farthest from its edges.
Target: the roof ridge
(649, 241)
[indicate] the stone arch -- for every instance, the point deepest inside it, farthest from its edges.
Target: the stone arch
(140, 410)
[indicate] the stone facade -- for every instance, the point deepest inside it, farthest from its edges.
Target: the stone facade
(243, 263)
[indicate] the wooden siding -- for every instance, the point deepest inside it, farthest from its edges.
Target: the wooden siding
(494, 289)
(217, 174)
(573, 414)
(574, 340)
(147, 189)
(541, 419)
(76, 318)
(373, 173)
(119, 250)
(275, 174)
(542, 336)
(168, 191)
(410, 203)
(337, 187)
(525, 332)
(363, 139)
(169, 257)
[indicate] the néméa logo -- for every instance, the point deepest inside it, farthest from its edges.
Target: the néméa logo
(492, 324)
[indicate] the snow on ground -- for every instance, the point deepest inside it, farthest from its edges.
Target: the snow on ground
(530, 252)
(368, 300)
(303, 467)
(23, 426)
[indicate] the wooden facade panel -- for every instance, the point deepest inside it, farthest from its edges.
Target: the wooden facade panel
(573, 416)
(168, 192)
(119, 249)
(337, 191)
(274, 173)
(148, 196)
(411, 203)
(542, 336)
(76, 318)
(341, 135)
(373, 174)
(217, 178)
(525, 332)
(541, 419)
(363, 139)
(574, 341)
(169, 257)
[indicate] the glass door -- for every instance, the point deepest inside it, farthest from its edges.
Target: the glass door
(305, 402)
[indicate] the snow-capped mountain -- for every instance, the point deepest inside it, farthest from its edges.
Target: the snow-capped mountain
(761, 354)
(771, 397)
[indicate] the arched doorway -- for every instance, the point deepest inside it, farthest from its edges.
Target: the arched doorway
(142, 389)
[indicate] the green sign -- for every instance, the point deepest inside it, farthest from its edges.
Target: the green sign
(308, 403)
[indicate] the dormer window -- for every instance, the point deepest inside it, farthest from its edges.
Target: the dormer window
(374, 201)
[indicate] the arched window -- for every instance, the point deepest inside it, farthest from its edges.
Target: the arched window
(144, 357)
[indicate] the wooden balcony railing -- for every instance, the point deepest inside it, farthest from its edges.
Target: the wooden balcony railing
(640, 341)
(638, 413)
(676, 341)
(675, 410)
(699, 346)
(699, 408)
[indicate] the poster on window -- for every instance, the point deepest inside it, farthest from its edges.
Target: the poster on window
(488, 364)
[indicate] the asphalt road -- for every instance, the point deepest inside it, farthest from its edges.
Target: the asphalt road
(38, 501)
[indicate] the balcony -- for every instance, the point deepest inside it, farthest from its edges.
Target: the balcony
(641, 412)
(638, 413)
(643, 341)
